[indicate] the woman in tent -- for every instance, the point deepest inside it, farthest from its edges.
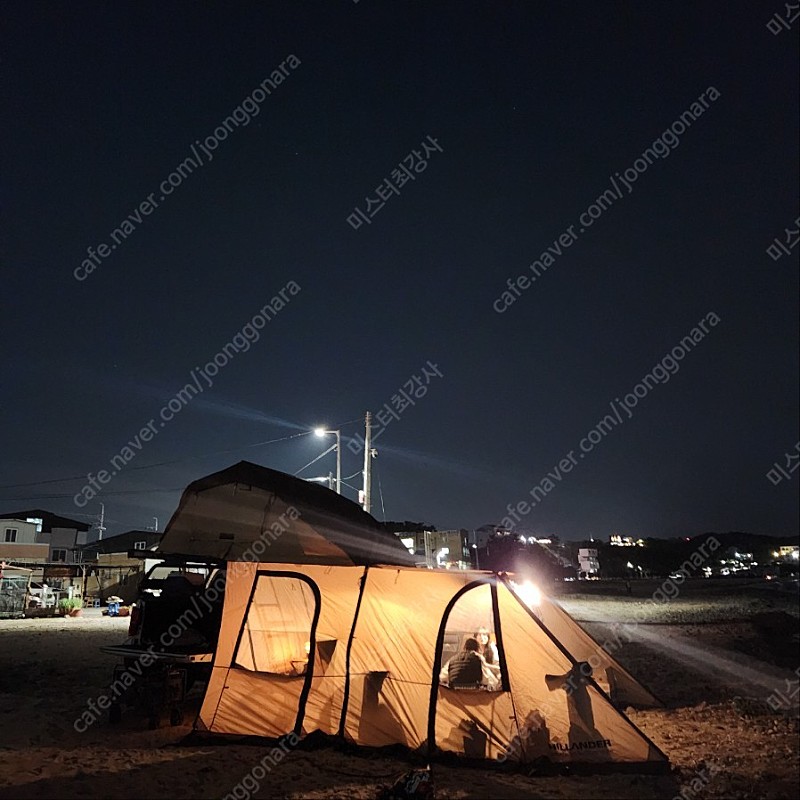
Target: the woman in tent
(487, 648)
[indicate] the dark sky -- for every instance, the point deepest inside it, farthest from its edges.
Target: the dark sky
(536, 107)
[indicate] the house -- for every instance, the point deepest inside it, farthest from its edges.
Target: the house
(482, 534)
(588, 562)
(121, 544)
(432, 548)
(62, 536)
(18, 544)
(110, 570)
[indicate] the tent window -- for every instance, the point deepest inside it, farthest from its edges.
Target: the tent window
(471, 619)
(277, 630)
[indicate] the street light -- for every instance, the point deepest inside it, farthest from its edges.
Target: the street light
(323, 432)
(477, 558)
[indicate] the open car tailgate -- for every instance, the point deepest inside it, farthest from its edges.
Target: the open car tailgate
(135, 651)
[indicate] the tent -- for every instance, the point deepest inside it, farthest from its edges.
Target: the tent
(613, 678)
(356, 651)
(252, 513)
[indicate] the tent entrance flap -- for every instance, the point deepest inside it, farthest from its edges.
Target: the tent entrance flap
(474, 711)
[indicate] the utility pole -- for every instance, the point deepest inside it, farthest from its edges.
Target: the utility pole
(338, 448)
(338, 462)
(368, 463)
(100, 526)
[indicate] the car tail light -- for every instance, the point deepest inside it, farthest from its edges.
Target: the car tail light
(136, 621)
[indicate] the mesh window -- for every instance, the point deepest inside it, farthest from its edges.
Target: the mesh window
(277, 631)
(471, 618)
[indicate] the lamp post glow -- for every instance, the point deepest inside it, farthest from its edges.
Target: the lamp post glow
(323, 432)
(529, 594)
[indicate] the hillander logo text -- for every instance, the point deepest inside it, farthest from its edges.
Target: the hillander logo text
(598, 744)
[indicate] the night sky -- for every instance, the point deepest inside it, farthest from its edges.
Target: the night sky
(536, 108)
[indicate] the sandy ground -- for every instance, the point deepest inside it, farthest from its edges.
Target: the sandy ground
(714, 660)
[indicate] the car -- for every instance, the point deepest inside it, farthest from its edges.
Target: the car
(172, 636)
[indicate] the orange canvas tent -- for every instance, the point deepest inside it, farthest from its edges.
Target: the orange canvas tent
(356, 652)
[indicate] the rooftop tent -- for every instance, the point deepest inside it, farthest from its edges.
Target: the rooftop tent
(249, 512)
(356, 652)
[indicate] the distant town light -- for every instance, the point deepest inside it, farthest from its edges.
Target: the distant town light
(625, 541)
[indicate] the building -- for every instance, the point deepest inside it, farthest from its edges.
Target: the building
(109, 569)
(18, 544)
(482, 535)
(63, 537)
(588, 562)
(121, 544)
(436, 549)
(624, 541)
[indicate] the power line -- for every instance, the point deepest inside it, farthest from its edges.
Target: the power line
(69, 496)
(349, 422)
(314, 460)
(156, 464)
(380, 492)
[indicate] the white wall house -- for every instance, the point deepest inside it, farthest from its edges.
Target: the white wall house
(19, 544)
(588, 561)
(58, 539)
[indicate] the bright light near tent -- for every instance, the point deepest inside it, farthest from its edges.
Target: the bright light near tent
(528, 593)
(319, 432)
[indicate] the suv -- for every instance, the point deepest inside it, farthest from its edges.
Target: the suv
(172, 637)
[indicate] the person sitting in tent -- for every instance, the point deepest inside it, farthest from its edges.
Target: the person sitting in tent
(468, 669)
(487, 648)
